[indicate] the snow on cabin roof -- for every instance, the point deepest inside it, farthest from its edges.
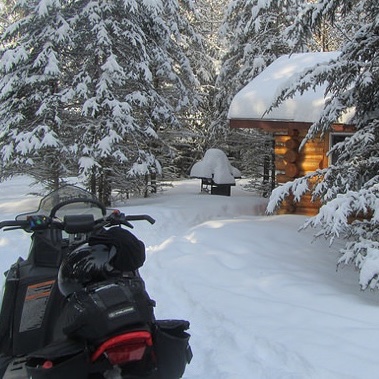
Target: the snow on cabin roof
(252, 101)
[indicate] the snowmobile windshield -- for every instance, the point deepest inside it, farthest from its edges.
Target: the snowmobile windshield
(74, 201)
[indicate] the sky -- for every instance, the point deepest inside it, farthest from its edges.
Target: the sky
(264, 300)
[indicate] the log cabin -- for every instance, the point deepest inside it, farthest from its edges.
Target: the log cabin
(290, 121)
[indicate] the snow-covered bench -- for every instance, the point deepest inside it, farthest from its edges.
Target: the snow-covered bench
(216, 173)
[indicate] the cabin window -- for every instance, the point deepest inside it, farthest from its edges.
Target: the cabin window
(334, 139)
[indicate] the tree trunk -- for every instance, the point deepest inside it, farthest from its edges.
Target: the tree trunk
(105, 189)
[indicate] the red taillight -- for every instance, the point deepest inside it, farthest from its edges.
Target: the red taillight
(128, 347)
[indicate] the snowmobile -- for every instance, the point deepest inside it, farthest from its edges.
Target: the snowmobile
(77, 306)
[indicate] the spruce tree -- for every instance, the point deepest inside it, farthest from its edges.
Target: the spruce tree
(198, 24)
(252, 33)
(135, 80)
(253, 37)
(93, 85)
(32, 66)
(349, 188)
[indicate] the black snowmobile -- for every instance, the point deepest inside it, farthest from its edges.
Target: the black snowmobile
(77, 307)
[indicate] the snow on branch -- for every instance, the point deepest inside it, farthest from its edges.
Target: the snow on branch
(297, 188)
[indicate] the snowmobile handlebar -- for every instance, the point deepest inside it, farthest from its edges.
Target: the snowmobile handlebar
(119, 218)
(139, 218)
(14, 224)
(73, 224)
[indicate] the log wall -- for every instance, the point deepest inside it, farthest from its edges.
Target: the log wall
(290, 163)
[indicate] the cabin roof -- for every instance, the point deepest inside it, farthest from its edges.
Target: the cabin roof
(253, 100)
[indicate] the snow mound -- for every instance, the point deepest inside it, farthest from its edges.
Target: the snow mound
(215, 165)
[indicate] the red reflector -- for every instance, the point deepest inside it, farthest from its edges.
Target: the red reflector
(124, 348)
(47, 365)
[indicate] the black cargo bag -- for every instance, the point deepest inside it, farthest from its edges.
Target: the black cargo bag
(172, 349)
(60, 360)
(103, 309)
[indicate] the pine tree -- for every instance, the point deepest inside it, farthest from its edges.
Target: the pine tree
(183, 146)
(135, 55)
(349, 188)
(31, 107)
(252, 33)
(93, 85)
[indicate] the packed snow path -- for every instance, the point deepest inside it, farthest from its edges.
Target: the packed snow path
(264, 302)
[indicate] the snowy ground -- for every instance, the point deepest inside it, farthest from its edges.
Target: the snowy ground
(263, 301)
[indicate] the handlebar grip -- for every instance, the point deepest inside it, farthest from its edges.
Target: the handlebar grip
(139, 218)
(14, 223)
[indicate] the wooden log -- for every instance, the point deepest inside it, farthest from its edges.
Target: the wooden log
(292, 144)
(280, 165)
(315, 143)
(280, 178)
(303, 172)
(307, 197)
(292, 170)
(283, 178)
(280, 150)
(289, 208)
(310, 157)
(281, 139)
(289, 204)
(308, 203)
(313, 149)
(306, 211)
(309, 164)
(303, 207)
(323, 163)
(290, 156)
(306, 169)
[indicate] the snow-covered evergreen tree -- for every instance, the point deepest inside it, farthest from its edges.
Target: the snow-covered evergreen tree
(97, 83)
(32, 65)
(182, 147)
(252, 34)
(134, 79)
(253, 38)
(349, 188)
